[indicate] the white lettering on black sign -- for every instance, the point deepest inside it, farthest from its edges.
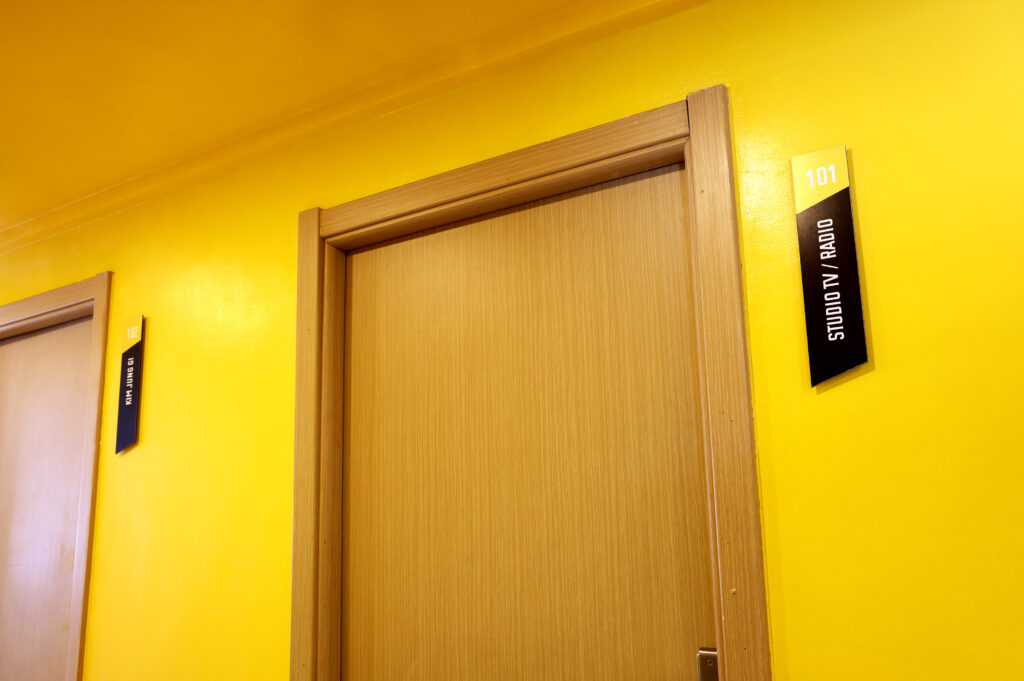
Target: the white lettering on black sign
(131, 385)
(831, 283)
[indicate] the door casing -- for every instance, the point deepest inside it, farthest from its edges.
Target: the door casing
(90, 297)
(696, 132)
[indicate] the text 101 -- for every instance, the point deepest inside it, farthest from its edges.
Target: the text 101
(821, 176)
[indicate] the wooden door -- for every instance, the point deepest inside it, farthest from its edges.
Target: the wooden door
(46, 407)
(524, 492)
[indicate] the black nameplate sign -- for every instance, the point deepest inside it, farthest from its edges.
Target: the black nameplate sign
(131, 385)
(828, 263)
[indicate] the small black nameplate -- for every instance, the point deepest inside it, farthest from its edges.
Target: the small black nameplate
(130, 389)
(828, 261)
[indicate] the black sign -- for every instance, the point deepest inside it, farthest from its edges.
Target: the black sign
(131, 387)
(828, 262)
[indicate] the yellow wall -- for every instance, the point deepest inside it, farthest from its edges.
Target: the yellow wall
(892, 513)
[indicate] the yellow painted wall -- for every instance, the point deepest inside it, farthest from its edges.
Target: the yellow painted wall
(892, 499)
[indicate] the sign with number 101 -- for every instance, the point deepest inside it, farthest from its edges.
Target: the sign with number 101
(828, 263)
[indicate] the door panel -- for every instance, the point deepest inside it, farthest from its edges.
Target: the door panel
(43, 411)
(524, 493)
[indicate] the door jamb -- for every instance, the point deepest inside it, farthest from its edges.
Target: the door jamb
(695, 132)
(68, 303)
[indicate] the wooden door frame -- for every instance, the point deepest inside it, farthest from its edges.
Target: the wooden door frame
(90, 297)
(695, 132)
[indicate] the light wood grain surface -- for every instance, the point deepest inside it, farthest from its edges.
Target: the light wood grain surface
(94, 366)
(87, 300)
(700, 131)
(623, 147)
(524, 492)
(306, 512)
(332, 420)
(64, 304)
(725, 386)
(44, 412)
